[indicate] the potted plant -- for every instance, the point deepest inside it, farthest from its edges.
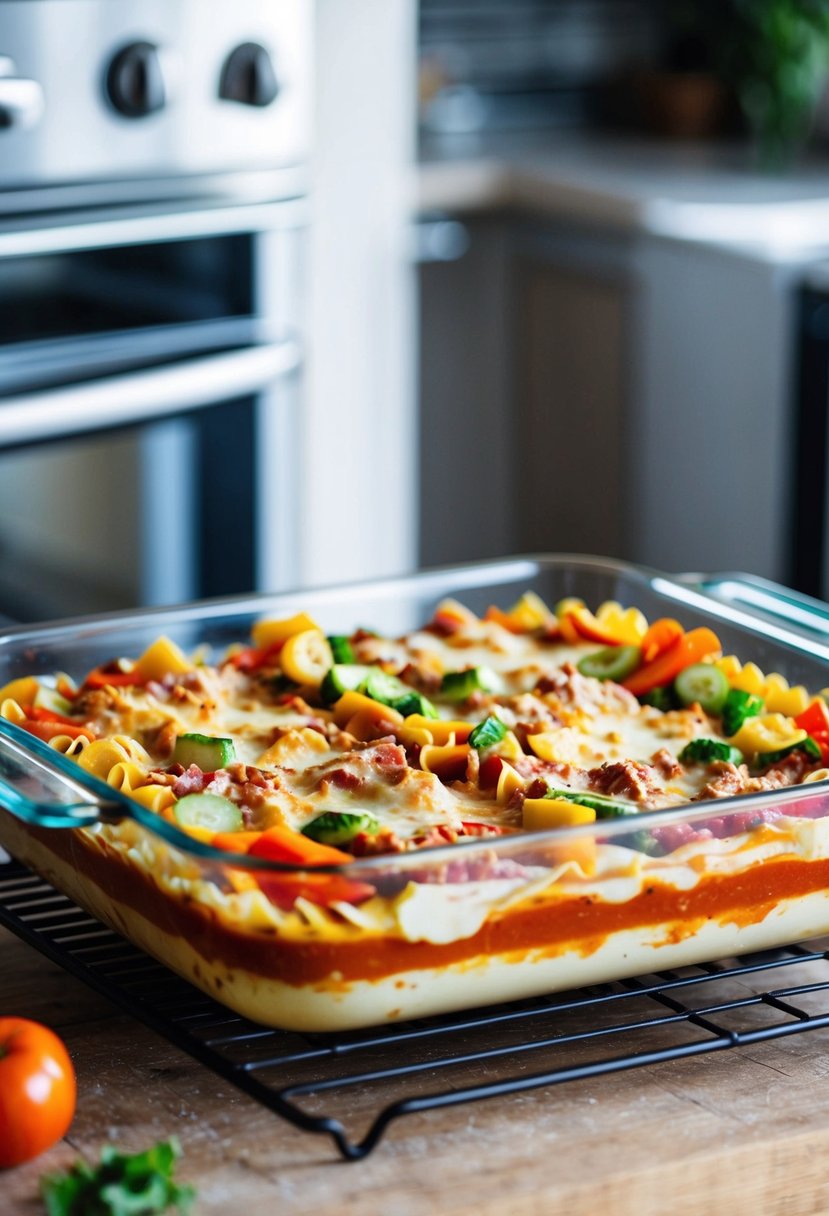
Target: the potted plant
(775, 55)
(684, 97)
(769, 57)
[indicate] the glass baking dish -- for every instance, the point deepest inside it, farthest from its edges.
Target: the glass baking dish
(446, 927)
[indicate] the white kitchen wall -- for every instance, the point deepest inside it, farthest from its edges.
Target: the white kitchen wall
(357, 498)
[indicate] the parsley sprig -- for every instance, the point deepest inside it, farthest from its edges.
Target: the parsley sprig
(138, 1184)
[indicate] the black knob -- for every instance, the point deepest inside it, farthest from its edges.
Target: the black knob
(135, 80)
(248, 76)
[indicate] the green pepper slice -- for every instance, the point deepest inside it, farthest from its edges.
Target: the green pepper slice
(488, 732)
(611, 663)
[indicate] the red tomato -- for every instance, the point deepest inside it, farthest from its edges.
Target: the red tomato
(37, 1090)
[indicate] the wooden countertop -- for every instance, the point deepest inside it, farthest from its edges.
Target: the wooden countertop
(742, 1130)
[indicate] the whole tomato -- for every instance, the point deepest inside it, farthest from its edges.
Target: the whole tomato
(37, 1090)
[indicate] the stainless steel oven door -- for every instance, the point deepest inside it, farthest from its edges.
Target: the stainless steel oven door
(145, 359)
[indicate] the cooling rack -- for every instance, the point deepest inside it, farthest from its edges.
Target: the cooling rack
(334, 1084)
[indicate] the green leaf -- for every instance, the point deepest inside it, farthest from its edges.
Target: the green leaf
(123, 1184)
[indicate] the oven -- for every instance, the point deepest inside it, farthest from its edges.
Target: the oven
(152, 205)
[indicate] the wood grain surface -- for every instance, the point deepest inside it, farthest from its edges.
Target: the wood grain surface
(741, 1131)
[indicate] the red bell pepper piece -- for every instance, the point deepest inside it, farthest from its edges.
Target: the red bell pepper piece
(283, 844)
(100, 677)
(254, 658)
(481, 829)
(815, 721)
(815, 718)
(50, 725)
(323, 889)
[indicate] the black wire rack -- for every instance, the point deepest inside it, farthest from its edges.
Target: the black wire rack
(332, 1084)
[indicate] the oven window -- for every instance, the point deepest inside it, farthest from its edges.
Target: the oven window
(87, 292)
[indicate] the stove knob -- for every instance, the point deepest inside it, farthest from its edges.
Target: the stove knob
(21, 100)
(135, 81)
(248, 76)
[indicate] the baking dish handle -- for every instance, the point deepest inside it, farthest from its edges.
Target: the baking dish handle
(766, 600)
(35, 789)
(47, 814)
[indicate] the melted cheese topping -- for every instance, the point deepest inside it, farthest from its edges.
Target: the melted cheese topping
(293, 761)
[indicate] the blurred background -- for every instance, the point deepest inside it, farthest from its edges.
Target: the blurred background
(304, 291)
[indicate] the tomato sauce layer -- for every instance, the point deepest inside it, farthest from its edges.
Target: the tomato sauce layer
(542, 927)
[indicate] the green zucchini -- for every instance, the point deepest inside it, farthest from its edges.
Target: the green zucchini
(342, 677)
(604, 806)
(341, 648)
(207, 752)
(460, 685)
(382, 687)
(807, 745)
(488, 732)
(702, 684)
(414, 703)
(209, 811)
(340, 827)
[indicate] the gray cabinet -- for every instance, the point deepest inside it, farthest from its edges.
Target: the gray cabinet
(524, 385)
(626, 395)
(571, 378)
(467, 407)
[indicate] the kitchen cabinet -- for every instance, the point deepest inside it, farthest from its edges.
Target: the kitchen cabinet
(615, 358)
(572, 354)
(466, 421)
(525, 382)
(607, 393)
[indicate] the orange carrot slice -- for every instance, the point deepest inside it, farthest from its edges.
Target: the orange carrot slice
(689, 648)
(283, 844)
(661, 634)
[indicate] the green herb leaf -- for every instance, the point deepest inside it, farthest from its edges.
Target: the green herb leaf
(137, 1184)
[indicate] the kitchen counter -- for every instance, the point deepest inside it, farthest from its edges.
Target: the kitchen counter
(744, 1130)
(703, 193)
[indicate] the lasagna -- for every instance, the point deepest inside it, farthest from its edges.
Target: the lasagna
(485, 808)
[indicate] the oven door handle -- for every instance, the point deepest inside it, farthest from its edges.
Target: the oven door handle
(144, 394)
